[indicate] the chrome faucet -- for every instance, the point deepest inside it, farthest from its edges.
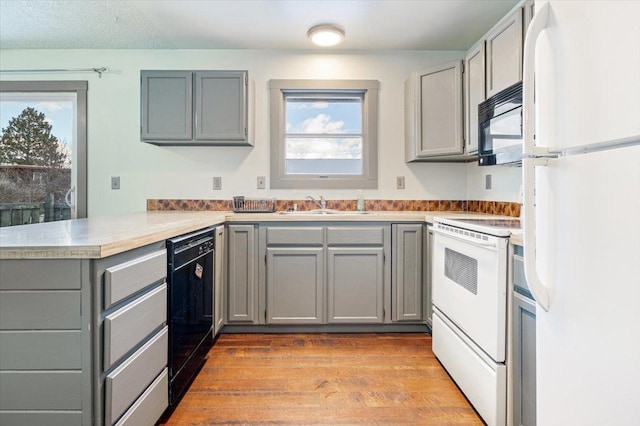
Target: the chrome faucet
(322, 203)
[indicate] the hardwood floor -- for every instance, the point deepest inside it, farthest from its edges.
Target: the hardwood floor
(323, 379)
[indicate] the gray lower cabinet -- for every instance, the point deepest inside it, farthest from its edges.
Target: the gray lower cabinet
(407, 278)
(355, 284)
(295, 285)
(242, 274)
(83, 341)
(45, 342)
(194, 107)
(524, 348)
(132, 337)
(357, 272)
(219, 281)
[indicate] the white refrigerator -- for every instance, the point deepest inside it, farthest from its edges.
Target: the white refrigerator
(582, 209)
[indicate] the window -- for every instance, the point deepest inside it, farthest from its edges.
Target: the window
(43, 168)
(324, 134)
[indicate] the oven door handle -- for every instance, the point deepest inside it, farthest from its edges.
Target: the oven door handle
(470, 240)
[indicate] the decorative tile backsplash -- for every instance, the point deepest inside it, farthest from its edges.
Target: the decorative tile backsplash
(503, 208)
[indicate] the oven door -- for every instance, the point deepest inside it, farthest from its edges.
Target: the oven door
(470, 285)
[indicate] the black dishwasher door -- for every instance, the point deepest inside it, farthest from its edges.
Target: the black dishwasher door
(190, 281)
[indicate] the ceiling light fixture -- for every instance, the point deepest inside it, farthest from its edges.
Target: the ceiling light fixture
(326, 35)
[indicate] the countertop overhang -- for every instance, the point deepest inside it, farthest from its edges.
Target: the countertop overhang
(103, 236)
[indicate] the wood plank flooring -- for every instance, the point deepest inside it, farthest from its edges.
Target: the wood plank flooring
(323, 379)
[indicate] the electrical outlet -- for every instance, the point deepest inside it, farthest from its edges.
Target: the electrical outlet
(115, 182)
(217, 183)
(400, 182)
(487, 181)
(261, 182)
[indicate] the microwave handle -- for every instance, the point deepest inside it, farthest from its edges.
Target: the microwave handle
(537, 25)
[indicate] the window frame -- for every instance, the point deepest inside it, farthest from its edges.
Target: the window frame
(369, 177)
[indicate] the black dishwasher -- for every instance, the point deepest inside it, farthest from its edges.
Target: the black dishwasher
(190, 307)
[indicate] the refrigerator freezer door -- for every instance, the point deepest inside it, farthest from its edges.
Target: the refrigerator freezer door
(588, 347)
(587, 64)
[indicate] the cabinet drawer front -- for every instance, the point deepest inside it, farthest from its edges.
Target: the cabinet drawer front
(49, 418)
(295, 236)
(353, 236)
(42, 390)
(151, 404)
(40, 310)
(129, 325)
(123, 280)
(40, 274)
(124, 384)
(48, 350)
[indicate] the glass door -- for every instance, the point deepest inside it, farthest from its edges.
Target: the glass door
(39, 156)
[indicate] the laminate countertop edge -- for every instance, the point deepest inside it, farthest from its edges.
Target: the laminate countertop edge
(104, 236)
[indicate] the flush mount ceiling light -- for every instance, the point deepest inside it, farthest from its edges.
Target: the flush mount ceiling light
(326, 35)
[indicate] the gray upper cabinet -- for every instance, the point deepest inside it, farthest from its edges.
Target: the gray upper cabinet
(195, 108)
(504, 53)
(166, 106)
(433, 112)
(407, 278)
(221, 106)
(242, 295)
(474, 84)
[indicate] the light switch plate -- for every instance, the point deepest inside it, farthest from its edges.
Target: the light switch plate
(217, 183)
(400, 182)
(261, 182)
(487, 181)
(115, 182)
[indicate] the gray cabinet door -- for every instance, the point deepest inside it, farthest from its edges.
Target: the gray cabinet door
(406, 283)
(221, 107)
(524, 361)
(218, 281)
(504, 54)
(295, 285)
(474, 79)
(242, 301)
(166, 106)
(355, 285)
(436, 127)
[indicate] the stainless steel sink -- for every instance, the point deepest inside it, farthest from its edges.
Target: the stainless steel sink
(317, 212)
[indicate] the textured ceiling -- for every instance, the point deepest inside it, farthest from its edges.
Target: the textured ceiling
(245, 24)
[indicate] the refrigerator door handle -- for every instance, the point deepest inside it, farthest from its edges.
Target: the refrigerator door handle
(538, 289)
(537, 25)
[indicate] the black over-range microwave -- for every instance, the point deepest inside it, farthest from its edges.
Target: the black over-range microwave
(500, 128)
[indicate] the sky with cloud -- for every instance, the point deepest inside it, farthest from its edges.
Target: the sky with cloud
(324, 119)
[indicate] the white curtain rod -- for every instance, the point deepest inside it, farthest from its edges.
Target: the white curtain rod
(99, 70)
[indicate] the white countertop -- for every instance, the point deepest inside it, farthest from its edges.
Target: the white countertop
(103, 236)
(99, 237)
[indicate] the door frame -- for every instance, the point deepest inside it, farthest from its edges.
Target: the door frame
(78, 87)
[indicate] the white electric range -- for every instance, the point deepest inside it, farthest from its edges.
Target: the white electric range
(470, 307)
